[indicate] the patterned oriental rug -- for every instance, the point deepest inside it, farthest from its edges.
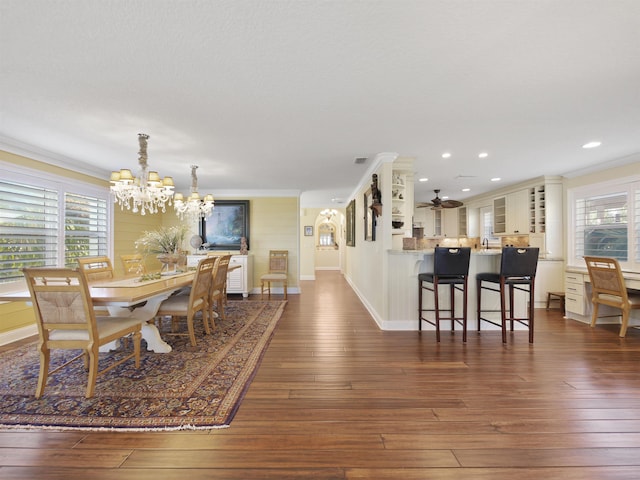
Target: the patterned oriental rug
(188, 388)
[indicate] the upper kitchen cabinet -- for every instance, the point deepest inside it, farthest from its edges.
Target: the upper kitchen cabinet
(462, 222)
(443, 222)
(511, 213)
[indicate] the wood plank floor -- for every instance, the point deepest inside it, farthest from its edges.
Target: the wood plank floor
(336, 398)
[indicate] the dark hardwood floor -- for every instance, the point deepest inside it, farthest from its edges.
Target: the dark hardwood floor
(336, 398)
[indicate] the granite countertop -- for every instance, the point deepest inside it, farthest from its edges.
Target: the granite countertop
(429, 251)
(478, 251)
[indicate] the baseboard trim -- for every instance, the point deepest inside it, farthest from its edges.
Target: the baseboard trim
(18, 334)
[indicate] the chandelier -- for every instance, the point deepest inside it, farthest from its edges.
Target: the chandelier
(328, 213)
(144, 193)
(193, 207)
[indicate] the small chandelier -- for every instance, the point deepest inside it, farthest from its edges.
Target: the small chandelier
(328, 213)
(145, 193)
(193, 207)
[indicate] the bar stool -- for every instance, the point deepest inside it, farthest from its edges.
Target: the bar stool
(518, 271)
(450, 267)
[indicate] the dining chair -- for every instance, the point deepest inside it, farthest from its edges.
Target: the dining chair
(96, 268)
(218, 292)
(197, 300)
(518, 267)
(66, 320)
(608, 288)
(278, 269)
(133, 264)
(450, 267)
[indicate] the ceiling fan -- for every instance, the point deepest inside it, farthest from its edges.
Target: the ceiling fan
(437, 203)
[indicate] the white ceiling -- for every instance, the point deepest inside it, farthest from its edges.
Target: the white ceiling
(286, 94)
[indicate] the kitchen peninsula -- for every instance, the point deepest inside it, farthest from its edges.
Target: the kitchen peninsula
(404, 267)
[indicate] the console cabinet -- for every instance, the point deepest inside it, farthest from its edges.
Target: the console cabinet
(239, 280)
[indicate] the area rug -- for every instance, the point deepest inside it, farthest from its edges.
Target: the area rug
(189, 388)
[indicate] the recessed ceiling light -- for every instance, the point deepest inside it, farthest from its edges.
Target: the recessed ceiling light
(592, 144)
(496, 179)
(483, 155)
(446, 155)
(423, 179)
(466, 189)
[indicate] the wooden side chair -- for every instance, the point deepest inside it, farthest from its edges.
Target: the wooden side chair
(608, 288)
(278, 269)
(219, 288)
(133, 264)
(197, 300)
(66, 320)
(96, 268)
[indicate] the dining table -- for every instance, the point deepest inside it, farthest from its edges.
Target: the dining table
(129, 296)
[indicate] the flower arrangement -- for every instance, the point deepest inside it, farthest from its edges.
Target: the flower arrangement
(163, 240)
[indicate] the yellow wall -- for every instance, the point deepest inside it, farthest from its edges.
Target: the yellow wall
(128, 227)
(274, 226)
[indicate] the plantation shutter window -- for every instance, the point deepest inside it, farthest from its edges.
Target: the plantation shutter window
(49, 221)
(28, 228)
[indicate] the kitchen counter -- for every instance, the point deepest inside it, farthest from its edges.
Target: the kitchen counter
(404, 267)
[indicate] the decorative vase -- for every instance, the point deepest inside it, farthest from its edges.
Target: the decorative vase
(169, 262)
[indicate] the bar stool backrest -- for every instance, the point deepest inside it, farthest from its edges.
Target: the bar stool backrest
(451, 261)
(519, 262)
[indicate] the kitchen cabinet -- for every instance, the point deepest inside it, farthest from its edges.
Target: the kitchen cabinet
(438, 223)
(462, 221)
(449, 221)
(511, 213)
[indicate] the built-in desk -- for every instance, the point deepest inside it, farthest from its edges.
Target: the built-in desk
(578, 297)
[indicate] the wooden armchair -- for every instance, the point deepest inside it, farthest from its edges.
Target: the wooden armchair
(278, 270)
(608, 288)
(66, 320)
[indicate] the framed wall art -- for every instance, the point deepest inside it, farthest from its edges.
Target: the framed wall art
(308, 231)
(351, 223)
(227, 224)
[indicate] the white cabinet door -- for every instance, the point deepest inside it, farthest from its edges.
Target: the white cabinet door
(240, 280)
(518, 213)
(450, 222)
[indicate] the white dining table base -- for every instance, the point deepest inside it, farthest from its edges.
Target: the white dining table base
(150, 333)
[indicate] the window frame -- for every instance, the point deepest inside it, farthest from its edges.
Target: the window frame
(628, 185)
(62, 185)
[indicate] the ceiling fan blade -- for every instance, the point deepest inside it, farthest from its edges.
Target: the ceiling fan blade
(451, 203)
(423, 204)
